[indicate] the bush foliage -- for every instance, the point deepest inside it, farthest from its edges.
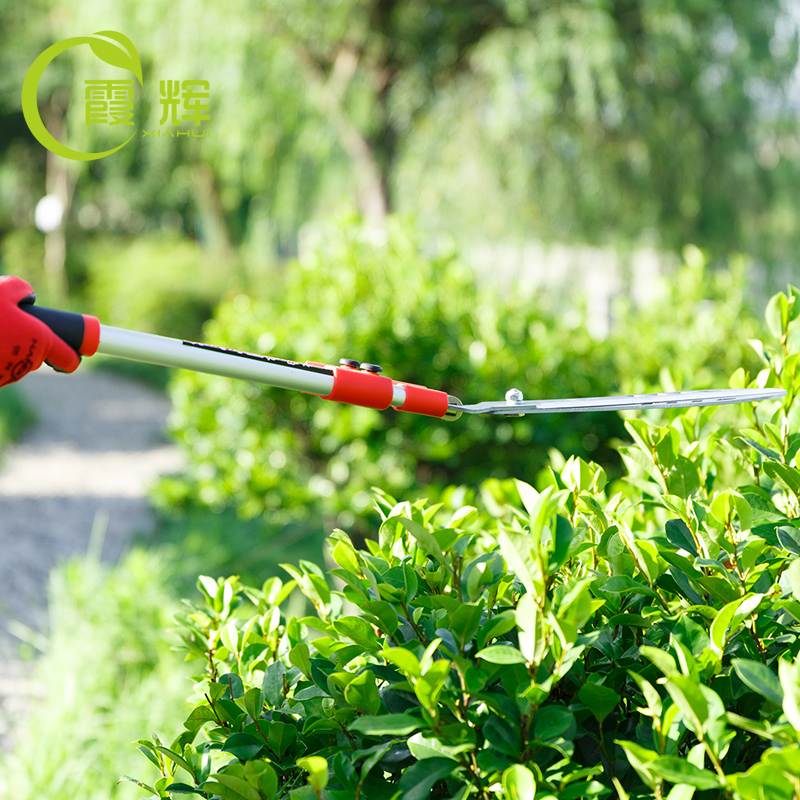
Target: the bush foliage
(427, 320)
(579, 640)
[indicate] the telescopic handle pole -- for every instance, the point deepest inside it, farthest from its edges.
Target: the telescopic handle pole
(346, 383)
(167, 352)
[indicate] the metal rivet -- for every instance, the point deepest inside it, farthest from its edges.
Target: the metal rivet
(349, 362)
(371, 368)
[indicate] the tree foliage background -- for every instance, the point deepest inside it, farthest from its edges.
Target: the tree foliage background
(603, 121)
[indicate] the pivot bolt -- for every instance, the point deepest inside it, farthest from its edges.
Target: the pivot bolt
(349, 362)
(514, 396)
(371, 368)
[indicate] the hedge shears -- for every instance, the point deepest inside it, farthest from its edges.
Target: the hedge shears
(30, 335)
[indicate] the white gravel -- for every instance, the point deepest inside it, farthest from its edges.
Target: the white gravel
(96, 448)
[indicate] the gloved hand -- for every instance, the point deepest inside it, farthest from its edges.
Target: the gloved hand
(26, 342)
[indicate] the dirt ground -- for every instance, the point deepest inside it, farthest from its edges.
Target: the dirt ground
(86, 465)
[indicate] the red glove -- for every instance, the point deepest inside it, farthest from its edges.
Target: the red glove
(26, 342)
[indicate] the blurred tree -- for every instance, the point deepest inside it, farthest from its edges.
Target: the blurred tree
(590, 120)
(598, 121)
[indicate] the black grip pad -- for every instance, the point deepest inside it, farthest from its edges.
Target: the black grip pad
(65, 324)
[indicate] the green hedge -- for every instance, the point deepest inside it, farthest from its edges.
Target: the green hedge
(585, 640)
(427, 320)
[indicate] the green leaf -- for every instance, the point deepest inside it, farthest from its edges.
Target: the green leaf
(689, 699)
(562, 539)
(403, 658)
(622, 584)
(230, 787)
(789, 537)
(516, 550)
(359, 631)
(464, 517)
(678, 770)
(600, 700)
(401, 578)
(760, 678)
(429, 686)
(230, 637)
(281, 737)
(678, 533)
(422, 748)
(531, 499)
(183, 788)
(243, 746)
(148, 749)
(775, 314)
(176, 759)
(254, 702)
(272, 685)
(577, 475)
(299, 657)
(501, 654)
(234, 687)
(345, 556)
(386, 725)
(362, 693)
(641, 759)
(651, 696)
(385, 614)
(762, 782)
(317, 769)
(418, 780)
(425, 540)
(765, 451)
(518, 783)
(464, 622)
(788, 477)
(788, 675)
(553, 722)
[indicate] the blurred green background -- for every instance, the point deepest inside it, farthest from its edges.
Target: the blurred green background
(573, 198)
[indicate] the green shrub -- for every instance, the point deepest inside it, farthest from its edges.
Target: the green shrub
(425, 320)
(584, 640)
(692, 333)
(159, 284)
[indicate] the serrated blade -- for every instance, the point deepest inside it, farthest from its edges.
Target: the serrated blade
(702, 397)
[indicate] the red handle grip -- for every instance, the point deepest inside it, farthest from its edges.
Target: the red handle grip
(359, 387)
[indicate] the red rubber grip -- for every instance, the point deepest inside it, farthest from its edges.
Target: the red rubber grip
(91, 335)
(421, 400)
(360, 388)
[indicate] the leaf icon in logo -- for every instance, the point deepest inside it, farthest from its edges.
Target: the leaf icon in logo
(118, 53)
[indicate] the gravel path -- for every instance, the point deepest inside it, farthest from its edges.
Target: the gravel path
(97, 446)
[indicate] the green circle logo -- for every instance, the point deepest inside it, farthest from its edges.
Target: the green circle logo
(109, 46)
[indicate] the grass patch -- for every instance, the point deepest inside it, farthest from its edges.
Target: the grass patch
(107, 672)
(16, 416)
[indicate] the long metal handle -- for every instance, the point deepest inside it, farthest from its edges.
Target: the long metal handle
(344, 384)
(168, 352)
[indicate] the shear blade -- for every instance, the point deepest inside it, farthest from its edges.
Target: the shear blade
(704, 397)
